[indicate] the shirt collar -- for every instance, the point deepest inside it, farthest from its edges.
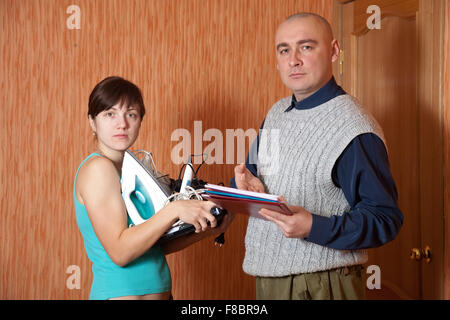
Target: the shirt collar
(329, 91)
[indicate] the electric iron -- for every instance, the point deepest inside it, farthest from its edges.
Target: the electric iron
(143, 192)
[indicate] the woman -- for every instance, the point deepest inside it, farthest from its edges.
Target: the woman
(126, 262)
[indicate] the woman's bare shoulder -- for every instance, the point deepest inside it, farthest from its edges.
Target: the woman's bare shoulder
(97, 164)
(96, 172)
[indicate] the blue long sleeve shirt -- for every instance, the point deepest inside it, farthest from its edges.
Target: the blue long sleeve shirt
(362, 172)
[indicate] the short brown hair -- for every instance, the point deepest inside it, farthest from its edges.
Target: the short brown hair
(113, 90)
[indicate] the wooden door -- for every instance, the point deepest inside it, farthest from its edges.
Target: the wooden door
(395, 72)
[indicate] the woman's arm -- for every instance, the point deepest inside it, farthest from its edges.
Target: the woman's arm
(100, 191)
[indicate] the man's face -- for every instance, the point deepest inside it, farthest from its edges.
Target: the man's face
(305, 53)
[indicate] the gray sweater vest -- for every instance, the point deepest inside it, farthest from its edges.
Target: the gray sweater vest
(297, 152)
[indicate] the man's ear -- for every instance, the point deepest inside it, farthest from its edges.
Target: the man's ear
(335, 50)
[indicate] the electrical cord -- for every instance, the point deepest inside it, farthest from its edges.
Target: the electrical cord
(192, 192)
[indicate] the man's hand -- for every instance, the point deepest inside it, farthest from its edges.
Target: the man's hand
(245, 180)
(297, 225)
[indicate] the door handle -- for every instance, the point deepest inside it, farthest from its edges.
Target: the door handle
(427, 254)
(415, 254)
(419, 254)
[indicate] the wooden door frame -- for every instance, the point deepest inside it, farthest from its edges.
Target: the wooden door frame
(446, 71)
(434, 76)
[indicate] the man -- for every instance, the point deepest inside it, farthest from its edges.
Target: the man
(326, 156)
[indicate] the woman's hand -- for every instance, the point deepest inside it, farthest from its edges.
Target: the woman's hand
(195, 212)
(224, 224)
(183, 242)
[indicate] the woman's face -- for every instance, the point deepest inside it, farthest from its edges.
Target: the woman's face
(117, 128)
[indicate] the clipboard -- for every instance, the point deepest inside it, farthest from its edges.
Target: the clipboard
(244, 202)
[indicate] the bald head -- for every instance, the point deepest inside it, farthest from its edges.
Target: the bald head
(305, 50)
(328, 31)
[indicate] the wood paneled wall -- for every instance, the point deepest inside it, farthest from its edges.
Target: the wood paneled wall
(211, 61)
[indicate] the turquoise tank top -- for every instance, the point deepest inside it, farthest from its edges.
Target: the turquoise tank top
(145, 275)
